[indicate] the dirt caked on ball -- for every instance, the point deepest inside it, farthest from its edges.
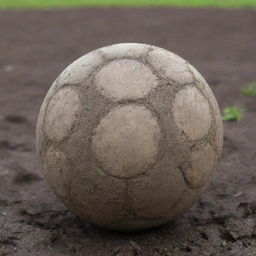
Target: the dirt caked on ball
(129, 135)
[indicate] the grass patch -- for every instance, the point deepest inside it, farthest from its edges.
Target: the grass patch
(10, 4)
(250, 89)
(232, 114)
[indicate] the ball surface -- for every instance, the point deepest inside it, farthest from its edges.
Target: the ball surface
(129, 135)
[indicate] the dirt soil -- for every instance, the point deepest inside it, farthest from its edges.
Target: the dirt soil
(35, 46)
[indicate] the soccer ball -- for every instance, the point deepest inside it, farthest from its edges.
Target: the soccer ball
(129, 136)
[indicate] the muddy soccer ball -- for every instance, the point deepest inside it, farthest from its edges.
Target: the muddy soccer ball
(129, 135)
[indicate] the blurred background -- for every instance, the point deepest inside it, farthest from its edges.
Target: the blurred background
(38, 39)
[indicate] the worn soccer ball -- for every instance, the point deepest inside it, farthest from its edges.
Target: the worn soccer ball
(129, 136)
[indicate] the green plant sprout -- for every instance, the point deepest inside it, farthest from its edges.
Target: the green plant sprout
(232, 114)
(250, 89)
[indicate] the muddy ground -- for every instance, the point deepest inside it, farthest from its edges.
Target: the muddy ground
(35, 46)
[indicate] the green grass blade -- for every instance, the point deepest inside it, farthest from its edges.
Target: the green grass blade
(250, 89)
(232, 114)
